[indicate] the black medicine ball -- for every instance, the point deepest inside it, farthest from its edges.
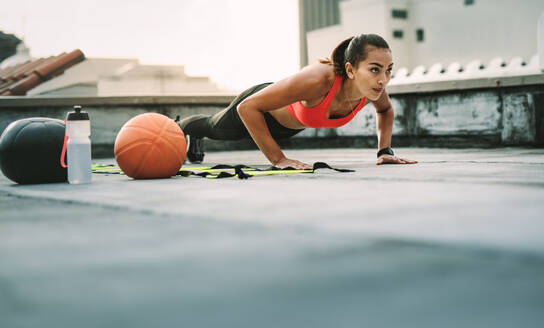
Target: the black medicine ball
(30, 151)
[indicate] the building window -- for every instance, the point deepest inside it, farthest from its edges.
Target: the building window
(420, 35)
(399, 13)
(469, 2)
(398, 34)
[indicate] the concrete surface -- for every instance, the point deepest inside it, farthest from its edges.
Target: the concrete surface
(454, 241)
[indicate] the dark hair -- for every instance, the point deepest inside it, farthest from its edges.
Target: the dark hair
(353, 50)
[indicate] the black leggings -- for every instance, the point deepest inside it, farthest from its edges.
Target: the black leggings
(227, 124)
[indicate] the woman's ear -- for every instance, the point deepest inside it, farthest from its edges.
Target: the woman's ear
(349, 70)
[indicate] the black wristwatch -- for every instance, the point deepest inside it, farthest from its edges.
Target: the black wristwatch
(386, 151)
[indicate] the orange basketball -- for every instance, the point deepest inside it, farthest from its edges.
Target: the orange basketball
(150, 146)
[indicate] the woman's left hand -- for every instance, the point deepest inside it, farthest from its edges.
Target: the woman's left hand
(389, 159)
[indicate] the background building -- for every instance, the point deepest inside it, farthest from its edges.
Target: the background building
(125, 77)
(74, 75)
(423, 32)
(314, 15)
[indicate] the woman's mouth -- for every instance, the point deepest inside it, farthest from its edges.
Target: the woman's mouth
(378, 90)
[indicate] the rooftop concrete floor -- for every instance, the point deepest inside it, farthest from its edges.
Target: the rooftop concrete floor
(454, 241)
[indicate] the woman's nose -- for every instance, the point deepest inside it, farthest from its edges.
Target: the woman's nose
(383, 80)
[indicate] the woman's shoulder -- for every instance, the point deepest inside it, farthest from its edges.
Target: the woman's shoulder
(322, 75)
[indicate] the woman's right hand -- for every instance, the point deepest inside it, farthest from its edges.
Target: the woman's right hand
(286, 162)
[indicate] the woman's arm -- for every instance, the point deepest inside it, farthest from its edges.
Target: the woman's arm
(385, 115)
(310, 83)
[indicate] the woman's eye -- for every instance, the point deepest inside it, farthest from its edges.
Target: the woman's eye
(374, 70)
(389, 71)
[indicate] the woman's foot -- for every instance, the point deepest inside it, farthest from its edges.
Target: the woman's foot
(195, 151)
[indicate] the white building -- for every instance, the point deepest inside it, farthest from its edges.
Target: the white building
(424, 32)
(124, 77)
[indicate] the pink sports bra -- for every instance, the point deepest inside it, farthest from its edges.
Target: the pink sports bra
(316, 117)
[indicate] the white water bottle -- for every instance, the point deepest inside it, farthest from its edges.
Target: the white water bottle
(78, 130)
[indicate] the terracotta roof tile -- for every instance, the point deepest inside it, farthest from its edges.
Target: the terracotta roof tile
(18, 79)
(4, 74)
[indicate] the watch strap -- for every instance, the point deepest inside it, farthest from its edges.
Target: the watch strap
(387, 150)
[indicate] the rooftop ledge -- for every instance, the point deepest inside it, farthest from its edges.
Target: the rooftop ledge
(465, 84)
(44, 101)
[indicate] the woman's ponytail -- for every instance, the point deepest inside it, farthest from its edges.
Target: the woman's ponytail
(338, 57)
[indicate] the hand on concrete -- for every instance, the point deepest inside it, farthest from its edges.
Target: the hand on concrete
(286, 162)
(388, 159)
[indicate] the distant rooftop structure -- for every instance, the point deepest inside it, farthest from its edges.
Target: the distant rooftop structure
(138, 79)
(18, 79)
(71, 74)
(125, 77)
(475, 70)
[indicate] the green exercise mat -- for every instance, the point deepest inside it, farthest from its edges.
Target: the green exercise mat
(223, 171)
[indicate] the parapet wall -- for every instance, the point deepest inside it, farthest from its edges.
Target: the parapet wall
(108, 114)
(474, 111)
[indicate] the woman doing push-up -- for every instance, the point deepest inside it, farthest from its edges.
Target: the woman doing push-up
(327, 94)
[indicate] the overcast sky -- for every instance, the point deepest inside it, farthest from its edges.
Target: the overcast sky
(237, 43)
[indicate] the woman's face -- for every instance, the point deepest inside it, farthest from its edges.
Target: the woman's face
(373, 74)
